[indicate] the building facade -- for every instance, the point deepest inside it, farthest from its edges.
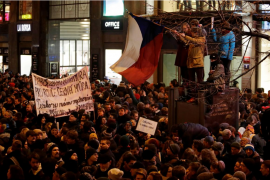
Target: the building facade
(61, 37)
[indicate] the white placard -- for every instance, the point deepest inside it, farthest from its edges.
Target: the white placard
(147, 126)
(59, 97)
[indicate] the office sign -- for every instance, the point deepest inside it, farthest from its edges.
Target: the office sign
(23, 27)
(111, 25)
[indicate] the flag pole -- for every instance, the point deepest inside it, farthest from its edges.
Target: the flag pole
(151, 21)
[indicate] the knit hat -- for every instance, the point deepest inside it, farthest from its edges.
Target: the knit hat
(226, 132)
(85, 176)
(174, 148)
(124, 141)
(137, 96)
(250, 128)
(104, 158)
(249, 146)
(148, 154)
(223, 126)
(93, 135)
(129, 123)
(221, 165)
(218, 146)
(236, 145)
(106, 134)
(205, 176)
(93, 143)
(50, 147)
(209, 139)
(115, 174)
(153, 141)
(69, 154)
(240, 175)
(249, 163)
(90, 152)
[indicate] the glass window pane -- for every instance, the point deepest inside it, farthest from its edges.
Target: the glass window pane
(25, 9)
(7, 7)
(111, 56)
(55, 12)
(113, 7)
(82, 10)
(170, 71)
(61, 54)
(67, 70)
(86, 52)
(80, 67)
(72, 52)
(70, 11)
(66, 53)
(55, 2)
(79, 53)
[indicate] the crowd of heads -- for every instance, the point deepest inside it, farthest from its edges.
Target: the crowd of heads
(105, 143)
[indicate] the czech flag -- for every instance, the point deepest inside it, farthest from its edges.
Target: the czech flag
(140, 57)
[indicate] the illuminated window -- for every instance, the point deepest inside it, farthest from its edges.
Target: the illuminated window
(113, 8)
(4, 11)
(111, 56)
(69, 9)
(25, 10)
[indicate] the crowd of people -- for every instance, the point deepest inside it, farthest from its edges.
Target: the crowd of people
(104, 144)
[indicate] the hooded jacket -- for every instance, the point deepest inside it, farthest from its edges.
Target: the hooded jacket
(227, 44)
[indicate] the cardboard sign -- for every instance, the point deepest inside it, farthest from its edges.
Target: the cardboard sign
(147, 126)
(59, 97)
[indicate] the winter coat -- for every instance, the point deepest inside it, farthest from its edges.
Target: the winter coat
(258, 143)
(195, 52)
(190, 131)
(227, 44)
(182, 53)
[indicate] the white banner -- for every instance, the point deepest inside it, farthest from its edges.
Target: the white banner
(147, 126)
(59, 97)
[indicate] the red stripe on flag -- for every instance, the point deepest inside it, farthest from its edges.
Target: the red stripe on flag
(147, 63)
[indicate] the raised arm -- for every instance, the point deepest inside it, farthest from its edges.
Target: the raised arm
(214, 34)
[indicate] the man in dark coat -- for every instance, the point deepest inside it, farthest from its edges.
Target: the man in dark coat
(188, 132)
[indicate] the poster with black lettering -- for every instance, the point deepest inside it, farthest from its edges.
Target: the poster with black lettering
(147, 126)
(59, 97)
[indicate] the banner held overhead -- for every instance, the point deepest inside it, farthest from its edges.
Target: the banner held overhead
(59, 97)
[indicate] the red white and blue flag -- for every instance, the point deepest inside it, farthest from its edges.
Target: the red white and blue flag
(140, 57)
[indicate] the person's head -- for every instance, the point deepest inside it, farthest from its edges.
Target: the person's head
(166, 170)
(121, 111)
(15, 172)
(135, 115)
(9, 100)
(58, 172)
(54, 130)
(208, 141)
(140, 174)
(129, 160)
(247, 165)
(72, 136)
(29, 108)
(185, 27)
(217, 167)
(105, 143)
(179, 172)
(115, 174)
(192, 170)
(244, 141)
(197, 146)
(265, 168)
(224, 27)
(34, 161)
(68, 176)
(107, 107)
(55, 153)
(31, 137)
(128, 126)
(91, 155)
(237, 166)
(235, 148)
(154, 107)
(154, 176)
(101, 112)
(194, 23)
(173, 150)
(251, 106)
(85, 117)
(73, 116)
(218, 147)
(16, 145)
(226, 134)
(71, 155)
(249, 149)
(105, 162)
(112, 102)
